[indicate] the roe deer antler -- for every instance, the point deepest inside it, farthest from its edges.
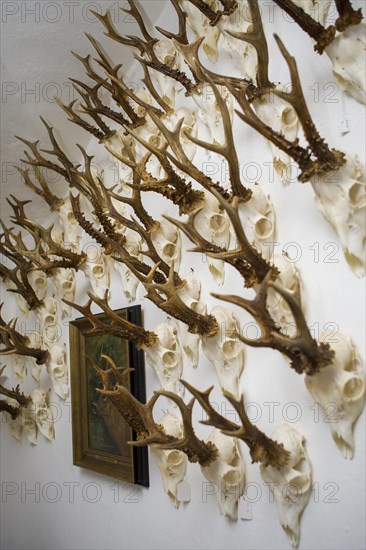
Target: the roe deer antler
(15, 394)
(140, 418)
(262, 448)
(306, 354)
(115, 325)
(229, 7)
(244, 258)
(16, 344)
(347, 15)
(322, 36)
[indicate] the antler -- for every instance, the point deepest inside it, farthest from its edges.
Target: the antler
(347, 15)
(41, 256)
(172, 304)
(140, 418)
(15, 394)
(16, 343)
(257, 39)
(229, 7)
(114, 325)
(262, 448)
(322, 36)
(244, 258)
(18, 275)
(306, 354)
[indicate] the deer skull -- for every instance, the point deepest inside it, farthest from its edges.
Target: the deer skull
(48, 320)
(71, 228)
(213, 224)
(42, 414)
(340, 389)
(172, 464)
(291, 484)
(190, 295)
(289, 279)
(259, 221)
(282, 117)
(168, 55)
(130, 282)
(347, 54)
(165, 357)
(342, 200)
(57, 370)
(65, 283)
(15, 425)
(167, 240)
(200, 25)
(227, 473)
(225, 351)
(210, 114)
(96, 271)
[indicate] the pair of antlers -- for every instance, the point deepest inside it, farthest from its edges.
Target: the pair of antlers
(148, 432)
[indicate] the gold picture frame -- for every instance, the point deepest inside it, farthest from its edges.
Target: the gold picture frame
(99, 433)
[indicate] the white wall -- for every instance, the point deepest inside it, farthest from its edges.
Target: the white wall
(93, 511)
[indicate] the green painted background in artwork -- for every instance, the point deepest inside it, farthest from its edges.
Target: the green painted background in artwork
(107, 431)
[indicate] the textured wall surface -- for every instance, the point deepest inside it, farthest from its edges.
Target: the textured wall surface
(49, 503)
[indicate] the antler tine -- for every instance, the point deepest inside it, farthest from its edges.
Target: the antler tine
(327, 159)
(180, 159)
(181, 36)
(112, 32)
(173, 305)
(44, 191)
(39, 160)
(120, 376)
(196, 449)
(153, 91)
(56, 151)
(322, 36)
(305, 353)
(229, 7)
(16, 343)
(262, 448)
(76, 119)
(347, 15)
(114, 325)
(134, 12)
(16, 394)
(257, 38)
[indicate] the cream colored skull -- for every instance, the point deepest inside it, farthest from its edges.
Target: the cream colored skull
(168, 243)
(291, 484)
(19, 362)
(209, 112)
(283, 119)
(38, 281)
(35, 341)
(165, 357)
(72, 230)
(172, 463)
(258, 218)
(213, 225)
(168, 55)
(341, 198)
(42, 414)
(289, 279)
(15, 425)
(347, 54)
(225, 351)
(48, 320)
(243, 55)
(96, 270)
(201, 27)
(65, 284)
(190, 295)
(57, 370)
(340, 389)
(226, 473)
(130, 282)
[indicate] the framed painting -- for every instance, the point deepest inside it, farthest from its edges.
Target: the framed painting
(99, 433)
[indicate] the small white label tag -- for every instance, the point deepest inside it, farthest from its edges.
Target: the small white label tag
(245, 509)
(345, 126)
(184, 491)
